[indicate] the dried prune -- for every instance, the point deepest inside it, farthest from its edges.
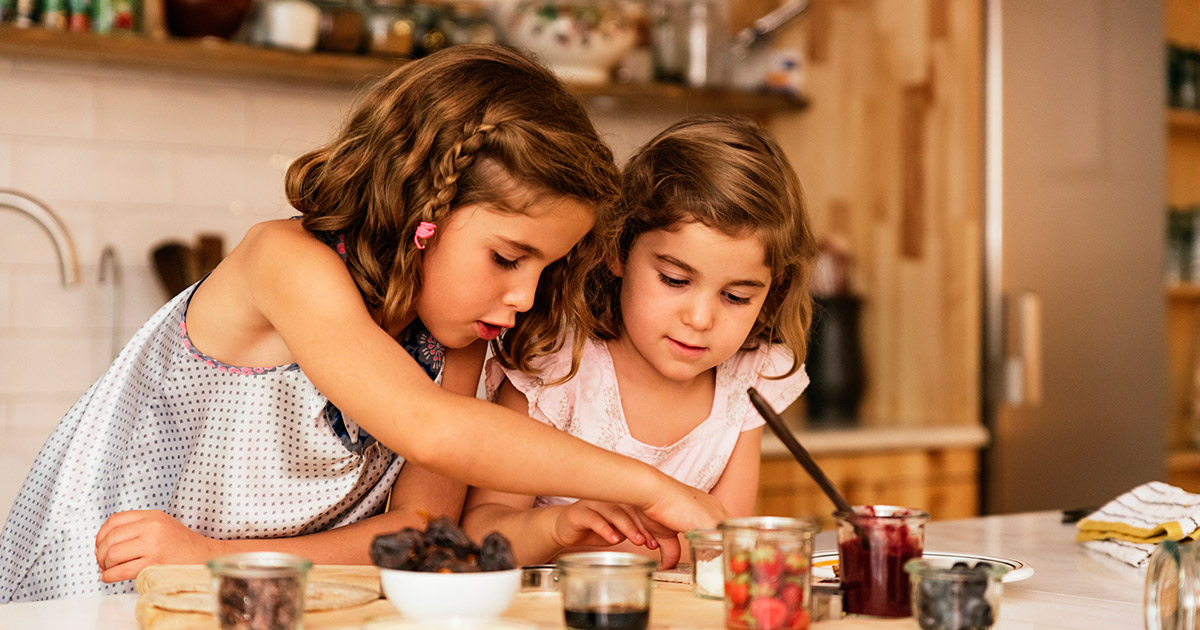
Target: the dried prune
(401, 550)
(495, 554)
(442, 548)
(259, 603)
(443, 533)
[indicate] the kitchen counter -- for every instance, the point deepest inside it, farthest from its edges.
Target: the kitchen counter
(877, 439)
(1071, 588)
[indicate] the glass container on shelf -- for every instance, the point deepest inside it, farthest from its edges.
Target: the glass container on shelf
(468, 23)
(342, 26)
(391, 29)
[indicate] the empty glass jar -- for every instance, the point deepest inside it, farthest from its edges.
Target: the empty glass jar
(1173, 587)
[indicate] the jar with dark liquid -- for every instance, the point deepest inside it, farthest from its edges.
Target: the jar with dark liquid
(874, 543)
(606, 590)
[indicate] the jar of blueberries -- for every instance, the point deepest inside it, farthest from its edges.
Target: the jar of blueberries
(961, 596)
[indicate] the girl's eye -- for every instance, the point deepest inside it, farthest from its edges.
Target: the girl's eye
(504, 262)
(672, 282)
(737, 299)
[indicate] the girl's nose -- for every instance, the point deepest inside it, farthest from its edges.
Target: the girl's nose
(521, 294)
(699, 314)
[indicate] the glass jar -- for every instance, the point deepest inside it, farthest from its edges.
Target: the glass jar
(1173, 586)
(259, 590)
(605, 589)
(955, 597)
(874, 543)
(708, 571)
(341, 27)
(768, 559)
(391, 30)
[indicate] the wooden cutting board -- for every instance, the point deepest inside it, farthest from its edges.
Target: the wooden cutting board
(673, 606)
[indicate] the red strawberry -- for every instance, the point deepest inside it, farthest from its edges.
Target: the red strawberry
(791, 594)
(739, 618)
(766, 566)
(738, 591)
(740, 562)
(769, 613)
(794, 563)
(799, 620)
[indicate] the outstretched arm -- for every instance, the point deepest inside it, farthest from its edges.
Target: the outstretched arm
(302, 292)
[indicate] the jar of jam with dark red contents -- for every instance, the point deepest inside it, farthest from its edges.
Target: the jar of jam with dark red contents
(874, 543)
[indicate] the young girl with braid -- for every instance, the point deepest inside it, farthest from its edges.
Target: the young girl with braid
(705, 294)
(280, 397)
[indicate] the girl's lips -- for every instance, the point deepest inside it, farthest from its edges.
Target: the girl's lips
(686, 350)
(488, 332)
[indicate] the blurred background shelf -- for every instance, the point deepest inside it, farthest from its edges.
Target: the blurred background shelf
(1184, 292)
(1183, 120)
(221, 58)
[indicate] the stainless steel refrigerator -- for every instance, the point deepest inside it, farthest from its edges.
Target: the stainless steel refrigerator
(1075, 385)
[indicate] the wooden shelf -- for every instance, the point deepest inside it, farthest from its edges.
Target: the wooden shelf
(1183, 121)
(1182, 292)
(220, 58)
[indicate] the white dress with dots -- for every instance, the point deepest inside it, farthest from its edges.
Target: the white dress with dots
(230, 452)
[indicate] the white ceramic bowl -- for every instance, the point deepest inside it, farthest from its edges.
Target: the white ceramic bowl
(581, 40)
(450, 597)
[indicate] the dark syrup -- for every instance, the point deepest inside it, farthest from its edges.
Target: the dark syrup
(608, 619)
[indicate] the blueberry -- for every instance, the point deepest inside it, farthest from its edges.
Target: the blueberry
(961, 565)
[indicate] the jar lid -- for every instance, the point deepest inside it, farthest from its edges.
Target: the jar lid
(768, 524)
(868, 512)
(606, 562)
(259, 564)
(939, 570)
(712, 535)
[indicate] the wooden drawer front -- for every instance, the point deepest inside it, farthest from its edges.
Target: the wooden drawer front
(944, 482)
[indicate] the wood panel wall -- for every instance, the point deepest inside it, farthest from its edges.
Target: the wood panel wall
(890, 155)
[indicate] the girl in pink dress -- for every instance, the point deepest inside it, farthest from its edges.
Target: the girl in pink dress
(705, 293)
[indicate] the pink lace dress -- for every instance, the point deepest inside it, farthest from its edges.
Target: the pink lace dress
(589, 407)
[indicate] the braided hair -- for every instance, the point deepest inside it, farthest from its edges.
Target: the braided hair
(419, 146)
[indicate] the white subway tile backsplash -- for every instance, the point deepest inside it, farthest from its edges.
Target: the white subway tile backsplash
(46, 105)
(164, 112)
(48, 306)
(294, 122)
(58, 362)
(93, 171)
(218, 178)
(5, 163)
(7, 305)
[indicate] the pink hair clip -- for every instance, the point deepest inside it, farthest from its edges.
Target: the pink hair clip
(425, 229)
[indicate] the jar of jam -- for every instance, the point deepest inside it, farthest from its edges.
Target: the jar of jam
(768, 569)
(874, 543)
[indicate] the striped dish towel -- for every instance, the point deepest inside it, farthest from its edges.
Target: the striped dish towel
(1128, 527)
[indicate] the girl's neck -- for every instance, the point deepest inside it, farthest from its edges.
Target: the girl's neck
(659, 411)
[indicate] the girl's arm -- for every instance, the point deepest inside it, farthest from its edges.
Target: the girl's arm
(132, 540)
(738, 486)
(539, 534)
(304, 292)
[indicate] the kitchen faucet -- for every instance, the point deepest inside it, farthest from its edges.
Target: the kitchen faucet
(68, 260)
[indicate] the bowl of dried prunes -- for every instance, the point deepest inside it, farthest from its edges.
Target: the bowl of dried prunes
(441, 575)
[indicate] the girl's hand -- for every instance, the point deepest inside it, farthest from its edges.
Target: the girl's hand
(130, 541)
(682, 508)
(600, 524)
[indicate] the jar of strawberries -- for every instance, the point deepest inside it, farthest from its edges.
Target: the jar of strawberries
(768, 566)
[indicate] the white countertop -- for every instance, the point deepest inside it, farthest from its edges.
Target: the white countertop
(1071, 588)
(853, 440)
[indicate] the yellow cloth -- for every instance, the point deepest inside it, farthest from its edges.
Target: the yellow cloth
(1150, 513)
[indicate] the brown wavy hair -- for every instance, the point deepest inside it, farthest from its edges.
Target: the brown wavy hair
(422, 143)
(730, 175)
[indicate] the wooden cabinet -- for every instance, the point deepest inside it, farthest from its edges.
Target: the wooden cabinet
(943, 481)
(1183, 301)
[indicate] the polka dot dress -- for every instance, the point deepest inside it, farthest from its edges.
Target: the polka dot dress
(231, 452)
